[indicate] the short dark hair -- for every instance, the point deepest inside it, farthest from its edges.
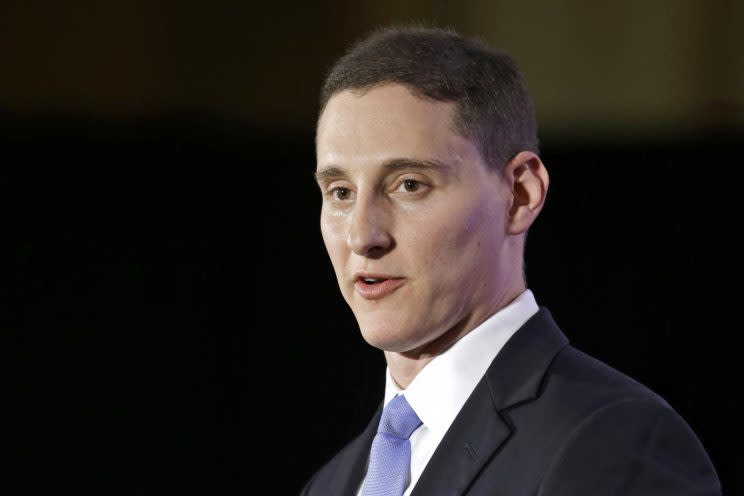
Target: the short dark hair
(494, 108)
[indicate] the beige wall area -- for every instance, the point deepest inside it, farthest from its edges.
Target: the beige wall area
(633, 67)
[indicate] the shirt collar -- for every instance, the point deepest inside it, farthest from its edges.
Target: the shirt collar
(441, 388)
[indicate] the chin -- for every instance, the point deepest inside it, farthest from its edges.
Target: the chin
(389, 337)
(383, 337)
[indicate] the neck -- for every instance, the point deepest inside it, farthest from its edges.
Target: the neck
(405, 366)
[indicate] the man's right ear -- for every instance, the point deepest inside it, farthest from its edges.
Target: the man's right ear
(528, 181)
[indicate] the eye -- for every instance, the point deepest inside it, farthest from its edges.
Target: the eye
(410, 186)
(340, 193)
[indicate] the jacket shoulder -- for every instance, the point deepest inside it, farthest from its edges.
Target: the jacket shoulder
(619, 435)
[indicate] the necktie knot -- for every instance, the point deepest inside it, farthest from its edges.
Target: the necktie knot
(398, 419)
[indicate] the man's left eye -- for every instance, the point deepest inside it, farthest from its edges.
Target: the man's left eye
(411, 185)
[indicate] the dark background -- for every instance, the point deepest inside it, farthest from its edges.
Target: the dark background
(175, 323)
(181, 330)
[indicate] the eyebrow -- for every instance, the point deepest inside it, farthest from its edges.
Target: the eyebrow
(392, 165)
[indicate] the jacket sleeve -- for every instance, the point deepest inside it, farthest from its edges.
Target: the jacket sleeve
(631, 447)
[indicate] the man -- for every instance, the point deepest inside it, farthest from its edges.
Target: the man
(427, 161)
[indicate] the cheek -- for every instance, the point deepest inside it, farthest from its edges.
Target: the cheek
(334, 239)
(461, 232)
(459, 239)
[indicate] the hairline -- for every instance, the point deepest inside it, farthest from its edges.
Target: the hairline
(457, 123)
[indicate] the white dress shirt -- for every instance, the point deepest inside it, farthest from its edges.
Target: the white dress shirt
(441, 388)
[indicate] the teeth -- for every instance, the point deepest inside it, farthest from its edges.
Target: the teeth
(369, 280)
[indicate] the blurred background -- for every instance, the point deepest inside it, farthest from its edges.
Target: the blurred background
(178, 327)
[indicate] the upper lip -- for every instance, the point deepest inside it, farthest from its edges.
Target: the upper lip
(359, 276)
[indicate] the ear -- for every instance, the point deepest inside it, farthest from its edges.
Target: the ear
(528, 180)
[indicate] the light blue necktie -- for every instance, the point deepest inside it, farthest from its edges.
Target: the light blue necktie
(390, 457)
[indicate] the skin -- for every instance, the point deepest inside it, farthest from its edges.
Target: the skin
(408, 197)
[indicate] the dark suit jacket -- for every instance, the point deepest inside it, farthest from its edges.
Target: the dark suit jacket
(547, 419)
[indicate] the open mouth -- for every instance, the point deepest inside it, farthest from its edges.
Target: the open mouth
(374, 288)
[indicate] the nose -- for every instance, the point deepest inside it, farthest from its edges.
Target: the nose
(369, 230)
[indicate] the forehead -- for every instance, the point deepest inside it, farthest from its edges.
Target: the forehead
(387, 122)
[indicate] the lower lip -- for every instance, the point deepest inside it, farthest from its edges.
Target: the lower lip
(379, 289)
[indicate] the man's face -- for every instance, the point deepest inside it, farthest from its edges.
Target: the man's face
(412, 218)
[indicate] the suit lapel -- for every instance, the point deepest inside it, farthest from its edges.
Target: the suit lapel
(479, 430)
(354, 462)
(474, 436)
